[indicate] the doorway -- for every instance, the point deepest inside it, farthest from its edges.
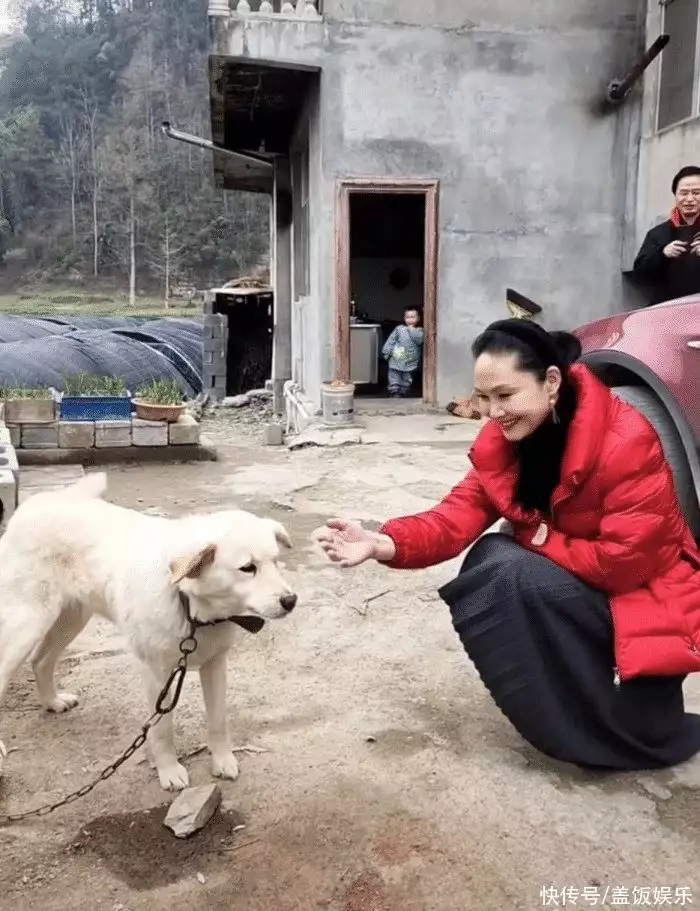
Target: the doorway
(386, 262)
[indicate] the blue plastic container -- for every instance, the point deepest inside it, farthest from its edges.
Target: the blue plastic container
(96, 408)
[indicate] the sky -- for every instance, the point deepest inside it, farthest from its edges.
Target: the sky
(5, 20)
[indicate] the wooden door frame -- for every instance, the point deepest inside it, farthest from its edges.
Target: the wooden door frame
(345, 188)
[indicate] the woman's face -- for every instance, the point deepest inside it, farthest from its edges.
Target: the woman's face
(516, 399)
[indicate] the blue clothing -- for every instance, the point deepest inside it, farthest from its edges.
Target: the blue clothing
(404, 348)
(400, 381)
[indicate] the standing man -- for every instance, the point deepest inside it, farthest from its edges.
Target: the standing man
(669, 259)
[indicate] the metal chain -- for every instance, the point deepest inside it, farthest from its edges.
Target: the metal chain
(165, 704)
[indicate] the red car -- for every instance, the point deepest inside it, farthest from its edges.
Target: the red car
(651, 358)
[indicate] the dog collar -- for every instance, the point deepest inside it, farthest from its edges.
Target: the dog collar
(251, 624)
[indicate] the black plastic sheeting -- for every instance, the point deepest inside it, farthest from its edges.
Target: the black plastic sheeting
(41, 352)
(177, 340)
(94, 322)
(18, 328)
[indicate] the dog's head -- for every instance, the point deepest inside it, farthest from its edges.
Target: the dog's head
(237, 573)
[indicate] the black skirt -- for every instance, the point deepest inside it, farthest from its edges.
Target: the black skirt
(542, 643)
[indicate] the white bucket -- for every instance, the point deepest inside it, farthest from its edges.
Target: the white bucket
(338, 403)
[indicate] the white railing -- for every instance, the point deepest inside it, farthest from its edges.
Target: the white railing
(304, 9)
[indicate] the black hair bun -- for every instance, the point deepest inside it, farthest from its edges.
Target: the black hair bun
(568, 346)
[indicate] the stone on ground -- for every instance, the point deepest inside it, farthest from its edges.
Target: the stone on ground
(192, 809)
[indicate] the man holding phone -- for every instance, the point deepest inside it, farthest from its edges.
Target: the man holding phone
(669, 259)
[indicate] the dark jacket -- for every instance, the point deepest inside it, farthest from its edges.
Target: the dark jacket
(667, 278)
(614, 522)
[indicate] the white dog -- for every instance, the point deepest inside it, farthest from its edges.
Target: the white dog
(68, 554)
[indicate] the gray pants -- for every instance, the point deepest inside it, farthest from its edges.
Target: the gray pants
(400, 381)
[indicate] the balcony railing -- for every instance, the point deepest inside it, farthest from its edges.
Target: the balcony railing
(296, 9)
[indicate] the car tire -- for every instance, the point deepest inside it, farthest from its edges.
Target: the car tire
(654, 411)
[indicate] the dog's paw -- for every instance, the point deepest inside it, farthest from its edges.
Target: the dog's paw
(224, 766)
(174, 777)
(63, 702)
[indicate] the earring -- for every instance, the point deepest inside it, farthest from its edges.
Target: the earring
(553, 407)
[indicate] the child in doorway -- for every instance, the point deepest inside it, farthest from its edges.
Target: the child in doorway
(404, 351)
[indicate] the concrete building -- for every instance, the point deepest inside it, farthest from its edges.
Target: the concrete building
(430, 153)
(670, 134)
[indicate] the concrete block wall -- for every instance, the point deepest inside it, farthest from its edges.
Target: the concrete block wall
(9, 474)
(214, 348)
(76, 435)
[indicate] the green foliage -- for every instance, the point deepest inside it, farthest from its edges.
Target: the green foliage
(81, 384)
(88, 183)
(160, 392)
(12, 393)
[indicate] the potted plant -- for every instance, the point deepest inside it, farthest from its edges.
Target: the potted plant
(27, 405)
(160, 400)
(94, 398)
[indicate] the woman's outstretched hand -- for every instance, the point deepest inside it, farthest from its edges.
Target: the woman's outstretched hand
(349, 544)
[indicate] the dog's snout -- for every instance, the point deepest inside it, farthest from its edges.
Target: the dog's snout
(288, 602)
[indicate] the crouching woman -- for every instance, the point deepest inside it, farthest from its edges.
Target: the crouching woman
(584, 620)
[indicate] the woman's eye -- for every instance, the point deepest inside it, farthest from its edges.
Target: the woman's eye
(249, 568)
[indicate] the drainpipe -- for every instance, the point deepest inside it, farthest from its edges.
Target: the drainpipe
(620, 88)
(250, 157)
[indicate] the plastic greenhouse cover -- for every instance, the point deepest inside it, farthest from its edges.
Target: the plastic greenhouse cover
(92, 322)
(46, 361)
(15, 328)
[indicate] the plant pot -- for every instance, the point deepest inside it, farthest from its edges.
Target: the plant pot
(29, 411)
(151, 411)
(95, 408)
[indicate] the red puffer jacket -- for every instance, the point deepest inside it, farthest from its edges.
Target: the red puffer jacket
(615, 523)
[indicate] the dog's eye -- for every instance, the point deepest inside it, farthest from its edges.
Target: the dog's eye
(249, 568)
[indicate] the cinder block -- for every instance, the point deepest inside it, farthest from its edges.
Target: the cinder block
(8, 496)
(149, 433)
(8, 459)
(217, 345)
(273, 435)
(76, 434)
(15, 434)
(5, 438)
(112, 434)
(184, 431)
(39, 436)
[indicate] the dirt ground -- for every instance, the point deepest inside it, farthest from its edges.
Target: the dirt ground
(388, 782)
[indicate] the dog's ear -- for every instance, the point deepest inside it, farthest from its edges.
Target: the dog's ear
(281, 533)
(191, 565)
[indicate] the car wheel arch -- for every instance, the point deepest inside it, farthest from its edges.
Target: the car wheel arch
(616, 369)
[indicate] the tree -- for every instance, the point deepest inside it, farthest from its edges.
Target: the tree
(86, 176)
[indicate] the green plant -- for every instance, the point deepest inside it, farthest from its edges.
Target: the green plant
(82, 383)
(160, 392)
(12, 393)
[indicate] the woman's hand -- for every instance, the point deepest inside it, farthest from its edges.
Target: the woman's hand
(349, 544)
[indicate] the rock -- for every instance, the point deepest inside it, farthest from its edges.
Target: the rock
(321, 436)
(192, 809)
(259, 394)
(236, 401)
(656, 789)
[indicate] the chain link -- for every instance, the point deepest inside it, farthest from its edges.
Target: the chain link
(165, 704)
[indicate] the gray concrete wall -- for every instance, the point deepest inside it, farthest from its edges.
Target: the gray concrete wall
(661, 154)
(533, 185)
(497, 101)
